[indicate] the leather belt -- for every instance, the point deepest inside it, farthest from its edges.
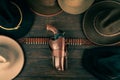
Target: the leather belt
(45, 41)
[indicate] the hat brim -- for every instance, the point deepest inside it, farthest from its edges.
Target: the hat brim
(15, 63)
(91, 58)
(26, 23)
(88, 24)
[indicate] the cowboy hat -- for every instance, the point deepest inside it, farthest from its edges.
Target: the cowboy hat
(103, 62)
(11, 58)
(45, 7)
(15, 18)
(101, 23)
(75, 6)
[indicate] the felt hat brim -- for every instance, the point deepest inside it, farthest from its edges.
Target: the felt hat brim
(88, 24)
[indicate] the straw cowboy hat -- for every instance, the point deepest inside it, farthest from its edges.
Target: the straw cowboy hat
(11, 58)
(45, 7)
(75, 6)
(103, 62)
(15, 18)
(101, 23)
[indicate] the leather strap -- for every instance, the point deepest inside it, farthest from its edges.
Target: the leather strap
(69, 41)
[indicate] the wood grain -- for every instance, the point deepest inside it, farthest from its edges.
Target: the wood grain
(38, 61)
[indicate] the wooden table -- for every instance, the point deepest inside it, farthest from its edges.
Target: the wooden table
(38, 63)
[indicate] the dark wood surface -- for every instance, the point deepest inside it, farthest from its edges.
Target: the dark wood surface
(38, 63)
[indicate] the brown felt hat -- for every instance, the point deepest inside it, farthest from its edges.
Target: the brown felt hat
(75, 6)
(101, 23)
(45, 7)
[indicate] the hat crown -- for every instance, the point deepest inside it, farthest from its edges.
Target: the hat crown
(107, 22)
(44, 7)
(4, 62)
(2, 59)
(73, 3)
(4, 51)
(10, 15)
(46, 3)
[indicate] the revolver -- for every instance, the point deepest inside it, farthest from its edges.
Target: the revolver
(58, 46)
